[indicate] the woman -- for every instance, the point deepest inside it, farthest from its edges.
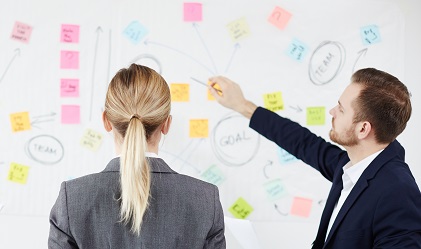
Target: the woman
(138, 201)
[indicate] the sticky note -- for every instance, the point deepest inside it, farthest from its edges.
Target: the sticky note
(69, 88)
(69, 33)
(285, 157)
(273, 101)
(18, 173)
(135, 32)
(199, 128)
(192, 12)
(20, 121)
(301, 207)
(241, 209)
(210, 96)
(213, 175)
(370, 34)
(180, 92)
(316, 115)
(297, 50)
(21, 32)
(70, 114)
(69, 60)
(275, 189)
(91, 139)
(238, 29)
(279, 17)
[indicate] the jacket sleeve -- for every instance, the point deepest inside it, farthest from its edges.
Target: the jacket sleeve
(60, 236)
(216, 236)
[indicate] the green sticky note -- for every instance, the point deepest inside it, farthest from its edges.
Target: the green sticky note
(273, 101)
(316, 115)
(275, 189)
(241, 209)
(213, 175)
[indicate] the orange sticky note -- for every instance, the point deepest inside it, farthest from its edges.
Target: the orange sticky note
(20, 121)
(21, 32)
(279, 18)
(199, 128)
(301, 207)
(180, 92)
(210, 96)
(18, 173)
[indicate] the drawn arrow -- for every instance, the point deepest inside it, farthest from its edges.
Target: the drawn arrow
(109, 57)
(264, 168)
(361, 53)
(236, 47)
(322, 202)
(147, 42)
(16, 53)
(279, 211)
(191, 152)
(43, 119)
(98, 32)
(297, 109)
(195, 26)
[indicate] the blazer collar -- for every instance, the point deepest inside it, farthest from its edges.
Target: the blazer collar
(157, 165)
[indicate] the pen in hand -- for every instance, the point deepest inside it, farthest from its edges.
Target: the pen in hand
(203, 83)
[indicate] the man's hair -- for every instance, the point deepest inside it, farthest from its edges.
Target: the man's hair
(384, 101)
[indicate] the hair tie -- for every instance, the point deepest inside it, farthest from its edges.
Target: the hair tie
(134, 116)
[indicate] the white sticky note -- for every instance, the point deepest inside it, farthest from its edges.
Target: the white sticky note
(243, 232)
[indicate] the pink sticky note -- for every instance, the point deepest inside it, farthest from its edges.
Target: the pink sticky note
(69, 87)
(192, 12)
(69, 60)
(301, 207)
(279, 17)
(21, 32)
(69, 33)
(70, 114)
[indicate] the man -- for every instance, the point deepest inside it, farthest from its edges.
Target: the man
(374, 201)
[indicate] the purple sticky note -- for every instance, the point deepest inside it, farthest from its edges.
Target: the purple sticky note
(69, 60)
(69, 88)
(192, 12)
(69, 33)
(21, 32)
(70, 114)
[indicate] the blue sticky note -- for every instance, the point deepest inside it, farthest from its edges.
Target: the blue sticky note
(370, 34)
(213, 175)
(135, 32)
(297, 50)
(285, 157)
(275, 189)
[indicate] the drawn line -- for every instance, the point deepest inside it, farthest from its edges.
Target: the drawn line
(98, 30)
(204, 44)
(361, 53)
(236, 46)
(204, 84)
(17, 52)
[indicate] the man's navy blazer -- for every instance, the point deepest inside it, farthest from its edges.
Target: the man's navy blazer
(383, 210)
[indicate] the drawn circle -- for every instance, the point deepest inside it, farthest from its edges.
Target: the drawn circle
(45, 149)
(326, 62)
(233, 142)
(149, 61)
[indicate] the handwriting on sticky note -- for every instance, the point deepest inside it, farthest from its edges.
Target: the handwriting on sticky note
(241, 209)
(69, 33)
(192, 12)
(70, 114)
(69, 87)
(18, 173)
(238, 29)
(91, 139)
(297, 50)
(275, 189)
(135, 32)
(180, 92)
(301, 207)
(273, 101)
(210, 96)
(199, 128)
(213, 175)
(20, 121)
(285, 157)
(370, 34)
(316, 115)
(21, 32)
(279, 17)
(69, 59)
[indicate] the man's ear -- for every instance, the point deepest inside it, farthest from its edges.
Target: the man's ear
(166, 127)
(364, 130)
(107, 125)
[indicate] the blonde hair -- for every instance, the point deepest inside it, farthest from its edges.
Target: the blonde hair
(138, 101)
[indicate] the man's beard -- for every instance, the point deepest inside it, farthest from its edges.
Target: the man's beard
(348, 139)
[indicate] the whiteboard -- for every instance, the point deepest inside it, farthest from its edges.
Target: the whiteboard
(292, 57)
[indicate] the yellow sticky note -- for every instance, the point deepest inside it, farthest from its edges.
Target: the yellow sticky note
(18, 173)
(216, 86)
(238, 29)
(180, 92)
(273, 101)
(91, 139)
(20, 121)
(316, 115)
(241, 209)
(199, 128)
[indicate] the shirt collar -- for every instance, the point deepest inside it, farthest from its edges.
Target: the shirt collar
(357, 169)
(147, 154)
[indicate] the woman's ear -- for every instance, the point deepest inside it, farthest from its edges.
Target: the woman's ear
(166, 127)
(107, 125)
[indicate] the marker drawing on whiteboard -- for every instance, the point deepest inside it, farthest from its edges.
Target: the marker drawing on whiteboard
(98, 31)
(17, 53)
(203, 83)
